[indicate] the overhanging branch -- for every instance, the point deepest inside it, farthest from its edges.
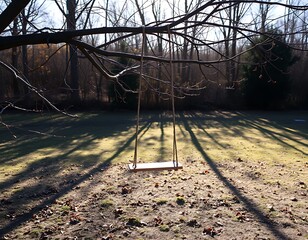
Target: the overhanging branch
(8, 42)
(11, 12)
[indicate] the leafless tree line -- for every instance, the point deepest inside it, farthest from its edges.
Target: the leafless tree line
(75, 59)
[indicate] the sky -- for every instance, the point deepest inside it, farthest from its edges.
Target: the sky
(56, 16)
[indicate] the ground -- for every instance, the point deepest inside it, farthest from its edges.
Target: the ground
(244, 176)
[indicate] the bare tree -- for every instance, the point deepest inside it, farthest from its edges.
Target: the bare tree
(231, 18)
(264, 11)
(22, 24)
(191, 30)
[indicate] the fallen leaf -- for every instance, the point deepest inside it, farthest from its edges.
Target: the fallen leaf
(210, 231)
(193, 223)
(270, 208)
(134, 222)
(158, 221)
(118, 212)
(126, 190)
(218, 224)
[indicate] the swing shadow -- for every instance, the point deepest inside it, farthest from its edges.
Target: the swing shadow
(162, 123)
(249, 204)
(155, 121)
(52, 166)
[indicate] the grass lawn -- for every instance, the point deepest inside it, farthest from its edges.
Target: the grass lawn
(242, 170)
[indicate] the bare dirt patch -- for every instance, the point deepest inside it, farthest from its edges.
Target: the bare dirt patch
(231, 201)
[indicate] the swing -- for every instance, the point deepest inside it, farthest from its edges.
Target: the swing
(170, 165)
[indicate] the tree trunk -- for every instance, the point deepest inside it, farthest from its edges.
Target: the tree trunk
(16, 92)
(74, 77)
(24, 51)
(264, 9)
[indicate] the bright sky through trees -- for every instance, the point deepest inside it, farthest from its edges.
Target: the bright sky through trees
(55, 18)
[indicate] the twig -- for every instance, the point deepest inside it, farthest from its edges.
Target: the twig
(33, 89)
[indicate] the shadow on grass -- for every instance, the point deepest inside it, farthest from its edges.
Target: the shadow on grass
(60, 132)
(96, 127)
(162, 124)
(262, 125)
(190, 120)
(279, 127)
(51, 166)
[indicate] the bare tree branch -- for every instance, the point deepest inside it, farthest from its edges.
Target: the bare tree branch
(33, 89)
(11, 12)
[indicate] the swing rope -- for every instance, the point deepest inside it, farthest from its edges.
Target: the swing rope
(139, 96)
(175, 151)
(174, 164)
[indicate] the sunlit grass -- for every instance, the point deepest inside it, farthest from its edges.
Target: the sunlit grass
(256, 159)
(94, 138)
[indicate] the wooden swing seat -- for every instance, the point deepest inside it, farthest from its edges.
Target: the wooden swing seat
(154, 166)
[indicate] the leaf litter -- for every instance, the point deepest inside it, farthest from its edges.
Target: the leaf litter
(193, 203)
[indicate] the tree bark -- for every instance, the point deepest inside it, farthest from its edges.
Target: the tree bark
(71, 25)
(24, 50)
(15, 85)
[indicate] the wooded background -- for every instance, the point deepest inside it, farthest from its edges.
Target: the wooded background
(224, 53)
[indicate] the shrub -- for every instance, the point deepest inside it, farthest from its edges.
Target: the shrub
(267, 82)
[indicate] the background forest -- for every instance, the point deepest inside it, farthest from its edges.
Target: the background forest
(232, 54)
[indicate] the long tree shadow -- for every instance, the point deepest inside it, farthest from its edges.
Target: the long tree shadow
(196, 121)
(262, 126)
(249, 204)
(280, 127)
(52, 166)
(163, 122)
(62, 132)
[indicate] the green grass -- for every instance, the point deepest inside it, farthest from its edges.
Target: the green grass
(161, 201)
(65, 209)
(164, 228)
(34, 167)
(106, 138)
(106, 203)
